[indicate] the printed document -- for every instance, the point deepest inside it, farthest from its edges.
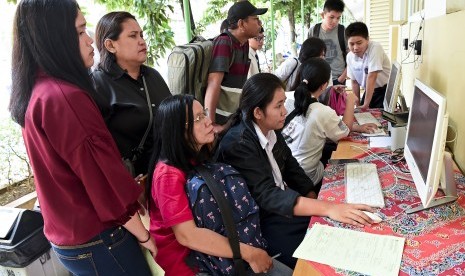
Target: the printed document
(361, 252)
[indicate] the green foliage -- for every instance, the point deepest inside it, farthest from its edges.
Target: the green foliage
(153, 18)
(212, 14)
(14, 163)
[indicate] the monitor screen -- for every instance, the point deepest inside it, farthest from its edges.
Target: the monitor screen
(392, 89)
(422, 129)
(425, 141)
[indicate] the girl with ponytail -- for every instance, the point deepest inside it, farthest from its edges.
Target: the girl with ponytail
(310, 123)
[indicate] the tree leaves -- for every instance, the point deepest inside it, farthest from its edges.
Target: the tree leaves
(153, 17)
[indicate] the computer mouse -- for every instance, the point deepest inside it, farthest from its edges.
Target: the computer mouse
(374, 217)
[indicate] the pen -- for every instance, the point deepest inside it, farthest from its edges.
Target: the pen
(276, 256)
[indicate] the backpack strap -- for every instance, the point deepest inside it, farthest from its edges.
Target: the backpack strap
(227, 216)
(342, 40)
(293, 70)
(316, 30)
(289, 117)
(140, 147)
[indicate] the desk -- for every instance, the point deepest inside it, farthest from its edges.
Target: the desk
(435, 238)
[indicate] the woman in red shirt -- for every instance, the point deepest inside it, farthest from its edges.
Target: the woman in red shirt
(183, 137)
(87, 198)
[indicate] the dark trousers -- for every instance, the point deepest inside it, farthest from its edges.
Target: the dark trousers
(284, 235)
(378, 97)
(328, 149)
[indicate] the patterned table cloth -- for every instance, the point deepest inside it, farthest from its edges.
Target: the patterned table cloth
(435, 238)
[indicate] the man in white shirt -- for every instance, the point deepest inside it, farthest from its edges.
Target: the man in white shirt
(368, 66)
(255, 44)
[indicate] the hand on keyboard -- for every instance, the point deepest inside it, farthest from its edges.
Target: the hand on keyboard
(350, 213)
(370, 128)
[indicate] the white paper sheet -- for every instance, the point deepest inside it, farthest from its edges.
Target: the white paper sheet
(365, 253)
(380, 142)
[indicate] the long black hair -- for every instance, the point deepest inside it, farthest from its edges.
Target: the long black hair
(258, 91)
(312, 47)
(109, 27)
(174, 141)
(44, 38)
(315, 72)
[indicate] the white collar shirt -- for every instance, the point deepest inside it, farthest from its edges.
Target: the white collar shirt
(267, 143)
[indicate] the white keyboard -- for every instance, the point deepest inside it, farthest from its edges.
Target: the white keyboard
(365, 118)
(362, 184)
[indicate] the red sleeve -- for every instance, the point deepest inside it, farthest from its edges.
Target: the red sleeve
(169, 195)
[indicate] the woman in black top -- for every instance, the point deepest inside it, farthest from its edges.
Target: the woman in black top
(286, 195)
(121, 81)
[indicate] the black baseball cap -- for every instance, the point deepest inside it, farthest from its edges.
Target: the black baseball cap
(243, 9)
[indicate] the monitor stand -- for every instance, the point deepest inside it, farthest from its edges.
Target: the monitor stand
(447, 186)
(399, 118)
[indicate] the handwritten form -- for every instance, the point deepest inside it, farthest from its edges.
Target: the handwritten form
(361, 252)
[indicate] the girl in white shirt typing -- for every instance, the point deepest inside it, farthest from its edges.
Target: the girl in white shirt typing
(311, 123)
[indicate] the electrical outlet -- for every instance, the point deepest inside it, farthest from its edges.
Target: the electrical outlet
(417, 47)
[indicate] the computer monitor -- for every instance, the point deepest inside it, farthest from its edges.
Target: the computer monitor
(425, 144)
(392, 89)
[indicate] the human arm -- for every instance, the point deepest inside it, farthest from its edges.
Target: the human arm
(212, 96)
(356, 91)
(343, 76)
(370, 88)
(342, 212)
(284, 70)
(212, 243)
(348, 117)
(169, 195)
(134, 226)
(292, 172)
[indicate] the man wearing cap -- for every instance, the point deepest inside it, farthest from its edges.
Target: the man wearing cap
(230, 62)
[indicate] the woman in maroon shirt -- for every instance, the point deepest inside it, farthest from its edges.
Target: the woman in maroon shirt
(88, 199)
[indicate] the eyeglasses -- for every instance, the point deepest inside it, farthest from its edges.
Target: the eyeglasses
(202, 115)
(259, 38)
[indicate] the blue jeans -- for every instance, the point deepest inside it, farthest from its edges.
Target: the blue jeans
(114, 251)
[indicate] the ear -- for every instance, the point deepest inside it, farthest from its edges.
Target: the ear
(108, 43)
(322, 15)
(240, 24)
(323, 86)
(257, 113)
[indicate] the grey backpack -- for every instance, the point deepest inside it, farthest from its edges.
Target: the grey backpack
(188, 67)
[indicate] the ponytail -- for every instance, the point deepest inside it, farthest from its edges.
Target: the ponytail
(302, 98)
(314, 73)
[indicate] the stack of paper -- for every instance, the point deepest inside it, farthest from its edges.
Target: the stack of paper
(356, 251)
